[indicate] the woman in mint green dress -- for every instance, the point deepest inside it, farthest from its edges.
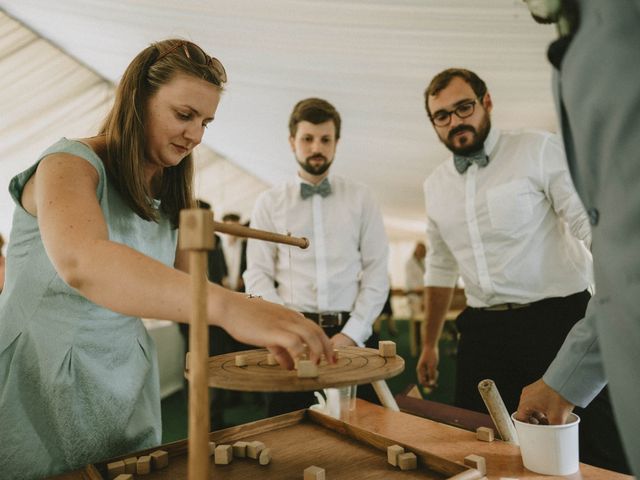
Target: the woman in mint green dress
(92, 249)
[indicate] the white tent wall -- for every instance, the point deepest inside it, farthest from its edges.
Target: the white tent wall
(371, 58)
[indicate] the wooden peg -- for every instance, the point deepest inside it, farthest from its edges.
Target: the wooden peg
(386, 348)
(392, 454)
(407, 461)
(484, 434)
(130, 464)
(115, 468)
(307, 369)
(271, 359)
(143, 467)
(159, 459)
(314, 473)
(265, 456)
(223, 454)
(240, 449)
(254, 449)
(477, 462)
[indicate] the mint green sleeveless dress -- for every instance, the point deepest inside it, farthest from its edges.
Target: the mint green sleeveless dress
(78, 382)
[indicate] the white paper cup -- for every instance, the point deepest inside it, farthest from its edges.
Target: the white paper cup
(549, 449)
(340, 401)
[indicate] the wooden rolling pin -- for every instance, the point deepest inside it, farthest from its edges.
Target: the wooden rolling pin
(497, 410)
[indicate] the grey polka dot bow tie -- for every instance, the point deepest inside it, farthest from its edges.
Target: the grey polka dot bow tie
(463, 162)
(323, 189)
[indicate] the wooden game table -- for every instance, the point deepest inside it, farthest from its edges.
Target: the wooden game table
(344, 450)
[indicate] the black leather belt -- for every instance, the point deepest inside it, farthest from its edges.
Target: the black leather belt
(328, 319)
(505, 306)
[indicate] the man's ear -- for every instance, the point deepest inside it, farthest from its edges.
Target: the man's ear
(487, 102)
(292, 142)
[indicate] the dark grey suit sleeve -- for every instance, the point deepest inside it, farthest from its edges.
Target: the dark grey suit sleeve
(577, 372)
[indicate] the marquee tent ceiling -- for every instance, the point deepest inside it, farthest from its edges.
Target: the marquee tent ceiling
(372, 59)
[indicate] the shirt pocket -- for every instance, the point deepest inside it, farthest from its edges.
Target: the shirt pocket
(510, 206)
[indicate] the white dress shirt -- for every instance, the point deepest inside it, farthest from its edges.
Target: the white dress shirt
(345, 266)
(232, 248)
(514, 230)
(414, 273)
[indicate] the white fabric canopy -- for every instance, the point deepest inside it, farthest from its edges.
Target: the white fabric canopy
(371, 59)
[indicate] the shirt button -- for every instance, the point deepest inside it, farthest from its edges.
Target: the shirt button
(594, 216)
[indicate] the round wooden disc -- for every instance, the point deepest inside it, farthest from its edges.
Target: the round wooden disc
(354, 366)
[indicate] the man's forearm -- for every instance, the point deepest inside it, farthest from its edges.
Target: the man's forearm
(436, 305)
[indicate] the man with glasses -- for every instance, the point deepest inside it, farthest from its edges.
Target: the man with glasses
(503, 214)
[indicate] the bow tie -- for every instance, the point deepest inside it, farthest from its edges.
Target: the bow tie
(463, 162)
(323, 189)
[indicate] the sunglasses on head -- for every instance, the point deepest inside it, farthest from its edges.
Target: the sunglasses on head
(198, 56)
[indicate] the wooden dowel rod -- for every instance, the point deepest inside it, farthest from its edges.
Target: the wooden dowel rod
(246, 232)
(198, 466)
(385, 395)
(497, 410)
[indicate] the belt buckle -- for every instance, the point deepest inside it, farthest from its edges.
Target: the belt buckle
(329, 319)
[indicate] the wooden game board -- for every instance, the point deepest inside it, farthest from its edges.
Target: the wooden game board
(298, 440)
(355, 366)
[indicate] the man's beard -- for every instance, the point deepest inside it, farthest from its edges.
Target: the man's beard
(476, 144)
(315, 170)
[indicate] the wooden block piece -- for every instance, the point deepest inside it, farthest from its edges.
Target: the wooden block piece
(387, 348)
(143, 467)
(271, 359)
(124, 476)
(241, 360)
(392, 454)
(307, 369)
(187, 361)
(254, 449)
(223, 455)
(240, 449)
(407, 461)
(485, 434)
(212, 448)
(314, 473)
(415, 393)
(159, 459)
(477, 462)
(130, 464)
(115, 468)
(265, 456)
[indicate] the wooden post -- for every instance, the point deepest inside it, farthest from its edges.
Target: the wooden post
(196, 235)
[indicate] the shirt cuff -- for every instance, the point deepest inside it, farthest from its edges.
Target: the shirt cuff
(357, 330)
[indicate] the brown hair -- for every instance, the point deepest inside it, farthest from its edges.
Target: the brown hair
(316, 111)
(123, 126)
(442, 80)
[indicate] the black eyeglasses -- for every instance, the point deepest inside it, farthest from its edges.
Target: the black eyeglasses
(442, 118)
(194, 53)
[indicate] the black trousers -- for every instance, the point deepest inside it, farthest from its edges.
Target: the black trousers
(514, 348)
(279, 403)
